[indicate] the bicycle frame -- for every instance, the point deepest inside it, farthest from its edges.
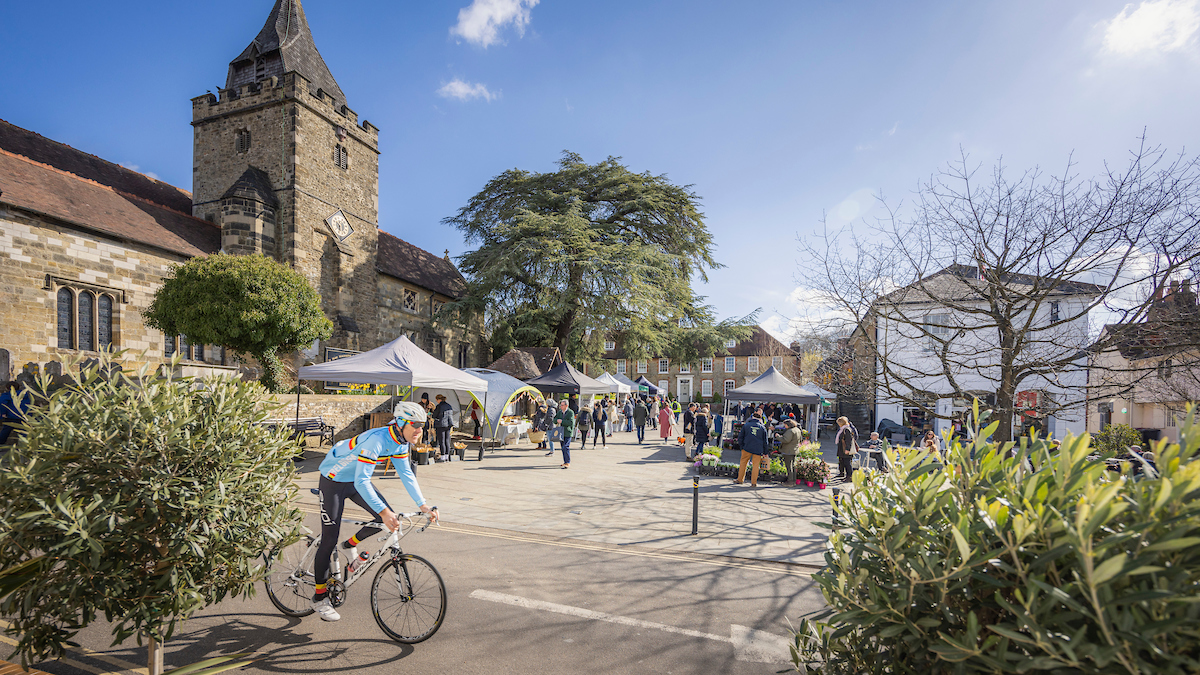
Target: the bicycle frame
(392, 547)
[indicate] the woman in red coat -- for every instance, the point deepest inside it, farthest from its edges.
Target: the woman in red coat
(665, 418)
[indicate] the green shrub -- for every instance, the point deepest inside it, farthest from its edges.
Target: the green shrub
(1001, 565)
(148, 497)
(1116, 438)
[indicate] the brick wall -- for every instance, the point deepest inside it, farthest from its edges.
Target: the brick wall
(741, 373)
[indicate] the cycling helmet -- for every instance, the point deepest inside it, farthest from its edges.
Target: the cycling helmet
(406, 411)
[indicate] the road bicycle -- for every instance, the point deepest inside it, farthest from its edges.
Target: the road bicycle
(408, 597)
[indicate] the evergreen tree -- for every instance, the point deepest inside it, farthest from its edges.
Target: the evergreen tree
(569, 257)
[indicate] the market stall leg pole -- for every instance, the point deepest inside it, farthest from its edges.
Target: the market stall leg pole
(297, 403)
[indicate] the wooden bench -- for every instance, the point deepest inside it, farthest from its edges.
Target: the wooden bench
(305, 427)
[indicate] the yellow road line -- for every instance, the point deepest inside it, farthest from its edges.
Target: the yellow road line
(766, 566)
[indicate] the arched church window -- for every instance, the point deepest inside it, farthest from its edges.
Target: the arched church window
(66, 319)
(104, 307)
(87, 304)
(241, 141)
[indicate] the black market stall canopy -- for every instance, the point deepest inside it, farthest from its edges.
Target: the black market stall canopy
(773, 387)
(647, 387)
(564, 379)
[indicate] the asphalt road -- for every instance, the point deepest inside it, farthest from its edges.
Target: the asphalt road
(518, 603)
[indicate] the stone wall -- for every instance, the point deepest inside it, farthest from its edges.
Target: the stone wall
(39, 256)
(344, 412)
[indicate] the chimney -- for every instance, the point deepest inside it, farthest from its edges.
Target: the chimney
(1185, 286)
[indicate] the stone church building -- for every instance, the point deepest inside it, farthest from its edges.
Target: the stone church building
(282, 167)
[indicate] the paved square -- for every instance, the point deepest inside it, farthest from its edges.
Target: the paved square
(625, 494)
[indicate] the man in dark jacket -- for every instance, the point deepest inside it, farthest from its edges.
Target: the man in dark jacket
(627, 411)
(753, 439)
(640, 415)
(700, 427)
(689, 429)
(443, 421)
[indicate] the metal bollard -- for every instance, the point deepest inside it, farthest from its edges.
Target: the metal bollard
(695, 505)
(837, 497)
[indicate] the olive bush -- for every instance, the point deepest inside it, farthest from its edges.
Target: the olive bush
(1116, 438)
(1013, 559)
(139, 499)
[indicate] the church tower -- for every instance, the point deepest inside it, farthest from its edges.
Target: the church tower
(283, 165)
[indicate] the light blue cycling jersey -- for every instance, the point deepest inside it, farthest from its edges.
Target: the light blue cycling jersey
(354, 460)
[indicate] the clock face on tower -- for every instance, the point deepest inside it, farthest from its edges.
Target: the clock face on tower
(339, 226)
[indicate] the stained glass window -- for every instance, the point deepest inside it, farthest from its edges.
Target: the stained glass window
(87, 304)
(104, 321)
(66, 319)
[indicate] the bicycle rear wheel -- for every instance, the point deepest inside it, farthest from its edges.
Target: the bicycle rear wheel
(290, 586)
(408, 599)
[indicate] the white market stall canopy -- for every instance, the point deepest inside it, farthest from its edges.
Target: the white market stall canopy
(773, 387)
(617, 386)
(398, 362)
(502, 390)
(633, 386)
(819, 391)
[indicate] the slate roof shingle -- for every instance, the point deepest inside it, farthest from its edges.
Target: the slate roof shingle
(406, 262)
(286, 43)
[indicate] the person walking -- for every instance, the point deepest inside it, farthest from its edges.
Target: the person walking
(753, 440)
(539, 423)
(550, 423)
(654, 408)
(584, 421)
(565, 419)
(789, 444)
(676, 408)
(689, 430)
(639, 415)
(443, 422)
(427, 435)
(700, 431)
(846, 442)
(628, 412)
(599, 425)
(664, 422)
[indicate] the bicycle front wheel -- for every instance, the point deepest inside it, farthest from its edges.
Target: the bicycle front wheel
(290, 580)
(408, 599)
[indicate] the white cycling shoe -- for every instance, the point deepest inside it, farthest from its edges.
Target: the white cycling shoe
(325, 610)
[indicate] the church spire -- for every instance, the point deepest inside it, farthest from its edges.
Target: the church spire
(284, 44)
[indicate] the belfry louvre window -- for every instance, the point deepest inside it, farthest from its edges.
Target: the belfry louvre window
(341, 158)
(241, 142)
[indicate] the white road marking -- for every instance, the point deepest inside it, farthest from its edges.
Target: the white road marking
(749, 644)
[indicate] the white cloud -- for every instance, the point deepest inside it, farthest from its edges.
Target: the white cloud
(148, 174)
(892, 131)
(481, 22)
(1155, 25)
(465, 91)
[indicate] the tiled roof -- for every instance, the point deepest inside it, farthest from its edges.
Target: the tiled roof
(286, 44)
(46, 190)
(60, 156)
(518, 364)
(526, 363)
(406, 262)
(961, 283)
(760, 343)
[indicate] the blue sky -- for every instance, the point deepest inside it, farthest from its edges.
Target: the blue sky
(776, 112)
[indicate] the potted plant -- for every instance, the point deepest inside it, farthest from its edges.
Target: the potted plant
(422, 453)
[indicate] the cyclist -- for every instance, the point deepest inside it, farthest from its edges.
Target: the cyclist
(346, 474)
